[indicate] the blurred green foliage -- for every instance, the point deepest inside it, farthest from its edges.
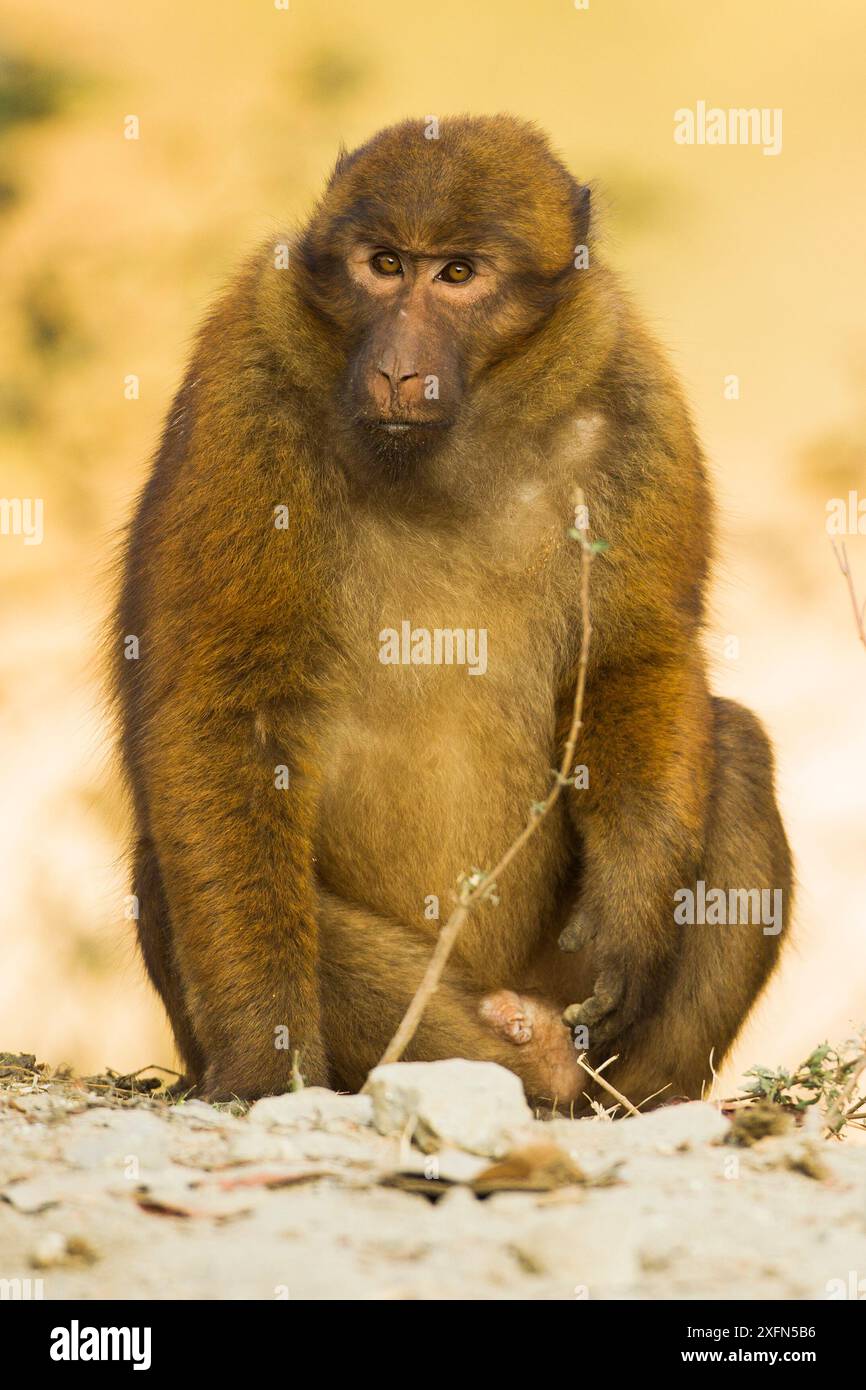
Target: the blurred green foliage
(29, 91)
(329, 76)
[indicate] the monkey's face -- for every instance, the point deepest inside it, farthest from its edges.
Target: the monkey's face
(421, 323)
(418, 312)
(430, 263)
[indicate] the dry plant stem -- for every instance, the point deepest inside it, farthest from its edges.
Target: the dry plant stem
(661, 1090)
(859, 612)
(605, 1084)
(838, 1110)
(151, 1066)
(469, 898)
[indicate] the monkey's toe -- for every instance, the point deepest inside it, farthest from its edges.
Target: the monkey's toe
(505, 1012)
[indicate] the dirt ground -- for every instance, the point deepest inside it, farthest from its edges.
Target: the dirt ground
(108, 1195)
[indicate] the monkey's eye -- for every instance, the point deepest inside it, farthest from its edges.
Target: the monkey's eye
(386, 263)
(456, 273)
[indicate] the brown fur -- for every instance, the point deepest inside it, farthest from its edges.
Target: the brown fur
(259, 648)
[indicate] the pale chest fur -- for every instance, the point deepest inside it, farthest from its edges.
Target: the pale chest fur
(441, 733)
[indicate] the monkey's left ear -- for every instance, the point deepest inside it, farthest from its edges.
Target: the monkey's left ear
(581, 200)
(344, 159)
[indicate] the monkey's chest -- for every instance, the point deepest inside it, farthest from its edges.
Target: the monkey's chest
(440, 741)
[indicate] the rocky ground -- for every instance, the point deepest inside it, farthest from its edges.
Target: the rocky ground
(438, 1184)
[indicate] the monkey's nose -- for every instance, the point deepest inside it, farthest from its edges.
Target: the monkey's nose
(396, 372)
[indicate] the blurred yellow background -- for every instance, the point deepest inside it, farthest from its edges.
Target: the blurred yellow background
(744, 264)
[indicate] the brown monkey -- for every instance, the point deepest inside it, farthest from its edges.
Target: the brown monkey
(358, 619)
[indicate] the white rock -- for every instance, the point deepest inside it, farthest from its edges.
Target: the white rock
(676, 1127)
(670, 1130)
(314, 1105)
(467, 1105)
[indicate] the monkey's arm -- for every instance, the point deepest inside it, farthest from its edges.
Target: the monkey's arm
(647, 747)
(234, 849)
(228, 607)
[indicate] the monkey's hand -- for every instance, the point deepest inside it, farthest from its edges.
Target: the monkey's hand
(579, 932)
(606, 1014)
(612, 1006)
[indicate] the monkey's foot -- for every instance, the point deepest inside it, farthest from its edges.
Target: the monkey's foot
(529, 1022)
(509, 1014)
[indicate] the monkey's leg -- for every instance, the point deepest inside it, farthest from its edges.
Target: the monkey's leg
(647, 746)
(236, 861)
(154, 937)
(721, 967)
(370, 969)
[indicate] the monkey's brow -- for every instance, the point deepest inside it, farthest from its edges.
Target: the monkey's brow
(444, 253)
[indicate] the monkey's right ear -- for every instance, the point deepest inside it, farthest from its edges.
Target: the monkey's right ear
(581, 200)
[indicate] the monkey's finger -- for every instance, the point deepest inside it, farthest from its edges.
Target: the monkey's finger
(587, 1014)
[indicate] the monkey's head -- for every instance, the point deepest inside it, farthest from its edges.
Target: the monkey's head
(434, 257)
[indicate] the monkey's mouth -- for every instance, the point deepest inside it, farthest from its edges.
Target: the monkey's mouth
(399, 442)
(397, 427)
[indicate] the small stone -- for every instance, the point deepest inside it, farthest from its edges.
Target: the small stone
(50, 1250)
(314, 1105)
(53, 1248)
(469, 1105)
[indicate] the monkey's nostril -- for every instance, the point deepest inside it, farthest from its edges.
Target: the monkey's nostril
(395, 374)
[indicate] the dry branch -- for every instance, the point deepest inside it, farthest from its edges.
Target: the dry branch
(606, 1086)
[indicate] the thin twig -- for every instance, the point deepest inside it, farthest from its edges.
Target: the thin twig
(859, 610)
(479, 888)
(602, 1081)
(660, 1091)
(151, 1066)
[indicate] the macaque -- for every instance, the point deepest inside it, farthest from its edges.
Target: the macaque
(373, 461)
